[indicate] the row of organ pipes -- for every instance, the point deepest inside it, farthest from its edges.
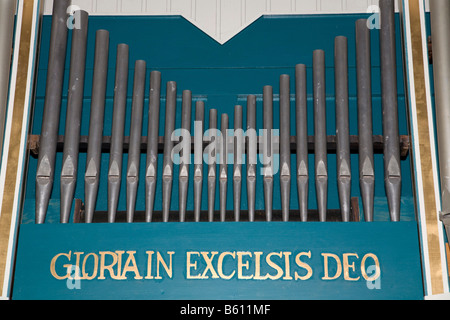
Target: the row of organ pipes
(248, 148)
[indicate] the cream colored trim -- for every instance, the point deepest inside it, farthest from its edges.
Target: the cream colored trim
(14, 152)
(424, 149)
(220, 19)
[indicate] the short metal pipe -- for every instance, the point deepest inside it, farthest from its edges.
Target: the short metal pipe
(73, 116)
(169, 127)
(118, 127)
(198, 157)
(342, 126)
(223, 168)
(392, 170)
(52, 109)
(285, 145)
(268, 154)
(238, 144)
(183, 178)
(7, 12)
(320, 134)
(364, 93)
(302, 139)
(212, 164)
(134, 149)
(440, 29)
(151, 169)
(96, 119)
(251, 156)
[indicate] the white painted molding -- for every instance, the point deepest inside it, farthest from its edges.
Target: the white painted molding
(443, 296)
(12, 170)
(220, 19)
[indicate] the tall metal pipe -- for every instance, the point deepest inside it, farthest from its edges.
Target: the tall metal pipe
(223, 168)
(251, 156)
(7, 12)
(364, 92)
(198, 157)
(73, 115)
(52, 109)
(118, 127)
(152, 143)
(238, 144)
(134, 149)
(285, 145)
(183, 179)
(392, 171)
(320, 134)
(212, 167)
(440, 29)
(268, 153)
(169, 127)
(302, 139)
(342, 126)
(94, 152)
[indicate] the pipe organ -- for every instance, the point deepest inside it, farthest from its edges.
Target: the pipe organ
(156, 153)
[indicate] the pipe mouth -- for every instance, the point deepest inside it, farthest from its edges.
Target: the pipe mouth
(68, 179)
(43, 178)
(113, 178)
(132, 179)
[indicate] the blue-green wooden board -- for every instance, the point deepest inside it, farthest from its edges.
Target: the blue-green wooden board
(394, 244)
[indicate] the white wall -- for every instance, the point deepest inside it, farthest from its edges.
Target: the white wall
(220, 19)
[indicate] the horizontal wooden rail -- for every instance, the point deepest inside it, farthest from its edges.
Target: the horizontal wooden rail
(333, 215)
(378, 143)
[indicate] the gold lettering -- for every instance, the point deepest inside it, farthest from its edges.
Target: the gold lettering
(377, 267)
(347, 266)
(209, 266)
(303, 265)
(77, 263)
(325, 262)
(160, 261)
(189, 265)
(104, 267)
(149, 264)
(274, 265)
(258, 267)
(220, 265)
(119, 265)
(133, 268)
(287, 266)
(94, 272)
(241, 265)
(53, 266)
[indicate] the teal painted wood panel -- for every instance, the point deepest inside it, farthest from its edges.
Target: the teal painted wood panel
(395, 246)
